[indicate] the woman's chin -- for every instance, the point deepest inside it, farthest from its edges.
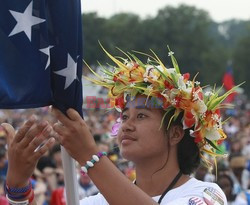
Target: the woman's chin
(127, 155)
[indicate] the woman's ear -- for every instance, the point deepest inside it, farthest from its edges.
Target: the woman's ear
(176, 134)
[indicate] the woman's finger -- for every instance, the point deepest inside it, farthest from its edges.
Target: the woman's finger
(54, 134)
(61, 117)
(10, 132)
(40, 139)
(73, 115)
(32, 133)
(58, 138)
(44, 148)
(59, 128)
(24, 129)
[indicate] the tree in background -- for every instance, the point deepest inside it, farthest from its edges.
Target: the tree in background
(241, 61)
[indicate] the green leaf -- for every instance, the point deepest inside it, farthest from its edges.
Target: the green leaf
(124, 53)
(214, 146)
(138, 61)
(162, 74)
(174, 61)
(174, 79)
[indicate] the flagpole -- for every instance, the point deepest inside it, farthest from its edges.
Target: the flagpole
(71, 184)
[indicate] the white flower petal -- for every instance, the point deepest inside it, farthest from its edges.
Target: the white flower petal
(202, 108)
(212, 134)
(171, 70)
(181, 83)
(160, 68)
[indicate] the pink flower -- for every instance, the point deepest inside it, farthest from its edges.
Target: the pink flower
(116, 127)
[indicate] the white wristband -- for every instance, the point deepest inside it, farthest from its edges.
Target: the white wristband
(25, 202)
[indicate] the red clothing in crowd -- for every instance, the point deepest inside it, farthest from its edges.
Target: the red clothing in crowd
(3, 201)
(58, 197)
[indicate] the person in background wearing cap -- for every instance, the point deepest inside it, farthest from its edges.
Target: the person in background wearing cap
(167, 124)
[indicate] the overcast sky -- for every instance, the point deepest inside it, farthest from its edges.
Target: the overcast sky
(219, 10)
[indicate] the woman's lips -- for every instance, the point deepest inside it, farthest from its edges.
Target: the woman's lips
(127, 140)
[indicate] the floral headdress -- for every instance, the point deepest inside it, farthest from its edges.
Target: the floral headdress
(201, 110)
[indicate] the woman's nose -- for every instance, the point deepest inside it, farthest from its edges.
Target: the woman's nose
(128, 125)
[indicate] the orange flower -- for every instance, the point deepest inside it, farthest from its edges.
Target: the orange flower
(112, 102)
(168, 85)
(198, 137)
(178, 100)
(189, 119)
(119, 102)
(209, 121)
(165, 103)
(197, 92)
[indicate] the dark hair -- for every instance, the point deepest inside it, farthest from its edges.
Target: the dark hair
(56, 148)
(226, 176)
(188, 153)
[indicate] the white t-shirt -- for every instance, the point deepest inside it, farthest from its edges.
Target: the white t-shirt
(193, 192)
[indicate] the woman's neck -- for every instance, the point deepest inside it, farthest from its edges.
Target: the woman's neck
(154, 176)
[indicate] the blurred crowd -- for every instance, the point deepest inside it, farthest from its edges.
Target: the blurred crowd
(232, 175)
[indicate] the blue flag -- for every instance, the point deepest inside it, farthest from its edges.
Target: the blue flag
(40, 54)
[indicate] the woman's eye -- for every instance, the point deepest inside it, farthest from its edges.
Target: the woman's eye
(140, 115)
(124, 117)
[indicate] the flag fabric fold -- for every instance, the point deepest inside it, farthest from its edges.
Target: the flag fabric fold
(40, 54)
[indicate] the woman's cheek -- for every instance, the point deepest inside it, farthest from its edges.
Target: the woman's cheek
(119, 135)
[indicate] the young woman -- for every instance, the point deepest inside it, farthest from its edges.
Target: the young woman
(167, 124)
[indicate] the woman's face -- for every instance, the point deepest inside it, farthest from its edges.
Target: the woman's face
(140, 135)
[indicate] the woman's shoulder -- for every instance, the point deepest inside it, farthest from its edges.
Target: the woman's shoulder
(94, 200)
(194, 191)
(198, 184)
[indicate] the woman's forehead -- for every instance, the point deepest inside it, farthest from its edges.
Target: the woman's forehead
(144, 102)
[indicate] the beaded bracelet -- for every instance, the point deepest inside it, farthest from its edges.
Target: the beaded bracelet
(91, 163)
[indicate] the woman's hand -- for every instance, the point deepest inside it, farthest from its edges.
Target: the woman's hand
(74, 135)
(25, 147)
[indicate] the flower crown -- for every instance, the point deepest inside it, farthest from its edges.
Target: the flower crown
(201, 110)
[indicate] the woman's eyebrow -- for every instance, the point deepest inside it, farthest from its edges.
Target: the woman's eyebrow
(143, 108)
(124, 110)
(138, 107)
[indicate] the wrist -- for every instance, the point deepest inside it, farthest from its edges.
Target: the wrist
(87, 155)
(12, 182)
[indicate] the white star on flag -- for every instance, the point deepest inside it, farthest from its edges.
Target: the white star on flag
(46, 52)
(69, 72)
(25, 21)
